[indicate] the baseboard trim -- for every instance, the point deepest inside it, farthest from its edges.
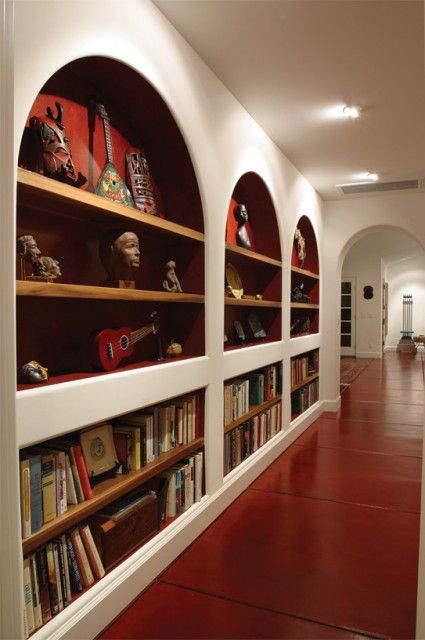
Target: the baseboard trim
(332, 405)
(369, 354)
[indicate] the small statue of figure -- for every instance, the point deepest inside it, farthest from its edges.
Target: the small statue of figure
(33, 372)
(301, 252)
(241, 216)
(119, 252)
(57, 156)
(171, 282)
(297, 294)
(44, 267)
(140, 180)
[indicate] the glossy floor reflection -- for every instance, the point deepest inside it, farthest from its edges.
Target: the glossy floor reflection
(324, 544)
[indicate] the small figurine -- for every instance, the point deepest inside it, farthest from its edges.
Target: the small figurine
(300, 325)
(301, 252)
(33, 372)
(57, 156)
(140, 181)
(119, 252)
(171, 282)
(241, 216)
(174, 349)
(257, 328)
(44, 267)
(297, 294)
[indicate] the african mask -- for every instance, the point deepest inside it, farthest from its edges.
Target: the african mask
(57, 156)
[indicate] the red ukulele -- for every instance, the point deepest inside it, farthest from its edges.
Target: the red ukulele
(110, 346)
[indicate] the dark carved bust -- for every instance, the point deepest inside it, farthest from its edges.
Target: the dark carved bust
(241, 216)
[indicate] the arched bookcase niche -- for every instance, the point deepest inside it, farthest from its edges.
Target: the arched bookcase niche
(253, 268)
(56, 321)
(305, 280)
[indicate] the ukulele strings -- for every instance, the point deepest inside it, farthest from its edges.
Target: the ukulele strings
(134, 336)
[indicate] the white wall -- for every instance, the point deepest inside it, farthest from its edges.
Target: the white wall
(224, 142)
(346, 222)
(405, 275)
(382, 255)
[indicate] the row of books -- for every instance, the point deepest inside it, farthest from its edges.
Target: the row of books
(254, 389)
(58, 473)
(181, 486)
(304, 366)
(305, 397)
(56, 572)
(141, 437)
(53, 476)
(241, 442)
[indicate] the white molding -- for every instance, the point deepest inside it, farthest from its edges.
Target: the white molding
(332, 405)
(369, 354)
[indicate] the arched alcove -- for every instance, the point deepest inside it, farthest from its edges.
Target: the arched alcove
(69, 222)
(253, 266)
(305, 280)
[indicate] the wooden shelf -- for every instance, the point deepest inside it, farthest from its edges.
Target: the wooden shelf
(304, 305)
(38, 192)
(105, 492)
(256, 409)
(248, 302)
(304, 382)
(59, 290)
(252, 255)
(305, 272)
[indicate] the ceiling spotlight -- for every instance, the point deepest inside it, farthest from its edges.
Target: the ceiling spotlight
(371, 177)
(351, 112)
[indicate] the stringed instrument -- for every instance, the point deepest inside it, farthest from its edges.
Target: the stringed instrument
(110, 346)
(110, 184)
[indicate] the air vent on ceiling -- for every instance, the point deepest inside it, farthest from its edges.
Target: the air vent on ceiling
(375, 187)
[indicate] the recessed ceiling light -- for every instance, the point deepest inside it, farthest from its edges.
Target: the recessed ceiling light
(351, 112)
(371, 177)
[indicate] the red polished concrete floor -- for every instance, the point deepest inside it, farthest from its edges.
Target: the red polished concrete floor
(324, 544)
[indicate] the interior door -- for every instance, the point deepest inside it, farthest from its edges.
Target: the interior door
(348, 316)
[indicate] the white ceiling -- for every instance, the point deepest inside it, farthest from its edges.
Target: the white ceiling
(289, 62)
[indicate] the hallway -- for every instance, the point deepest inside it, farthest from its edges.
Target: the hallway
(324, 544)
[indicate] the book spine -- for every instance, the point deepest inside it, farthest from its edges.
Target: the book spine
(38, 621)
(43, 584)
(71, 495)
(82, 472)
(76, 477)
(53, 588)
(36, 500)
(58, 574)
(28, 598)
(66, 568)
(74, 572)
(48, 479)
(82, 560)
(25, 499)
(92, 552)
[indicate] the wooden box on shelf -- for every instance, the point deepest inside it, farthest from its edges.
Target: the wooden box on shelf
(118, 536)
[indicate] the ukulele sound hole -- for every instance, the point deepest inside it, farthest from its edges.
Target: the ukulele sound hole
(124, 342)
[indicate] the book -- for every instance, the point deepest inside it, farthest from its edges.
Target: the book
(199, 461)
(48, 483)
(74, 572)
(53, 586)
(25, 484)
(92, 552)
(71, 494)
(123, 446)
(58, 576)
(134, 431)
(82, 472)
(97, 446)
(38, 621)
(43, 584)
(36, 499)
(61, 492)
(28, 598)
(66, 568)
(82, 559)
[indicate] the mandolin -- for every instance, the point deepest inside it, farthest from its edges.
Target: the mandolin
(110, 346)
(110, 184)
